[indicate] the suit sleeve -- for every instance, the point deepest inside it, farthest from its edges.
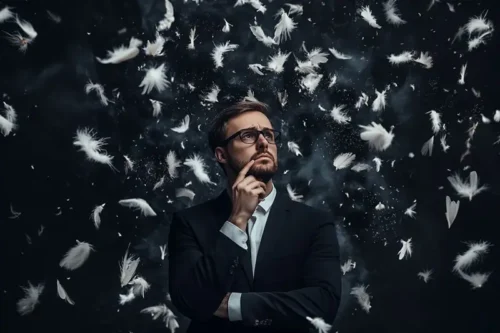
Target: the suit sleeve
(320, 296)
(199, 280)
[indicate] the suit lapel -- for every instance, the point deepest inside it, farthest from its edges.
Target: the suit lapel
(274, 229)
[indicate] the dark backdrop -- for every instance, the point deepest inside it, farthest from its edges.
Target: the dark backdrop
(52, 184)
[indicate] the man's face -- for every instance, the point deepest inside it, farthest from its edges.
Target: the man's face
(240, 153)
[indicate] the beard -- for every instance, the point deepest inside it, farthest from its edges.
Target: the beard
(262, 170)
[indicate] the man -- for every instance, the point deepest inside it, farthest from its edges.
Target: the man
(252, 260)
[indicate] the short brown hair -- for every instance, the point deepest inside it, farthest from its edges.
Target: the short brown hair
(218, 127)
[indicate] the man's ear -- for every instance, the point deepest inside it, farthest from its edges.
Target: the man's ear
(220, 155)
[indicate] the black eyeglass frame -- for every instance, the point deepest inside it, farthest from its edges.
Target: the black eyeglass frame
(277, 135)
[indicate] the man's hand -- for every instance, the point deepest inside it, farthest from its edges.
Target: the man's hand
(222, 311)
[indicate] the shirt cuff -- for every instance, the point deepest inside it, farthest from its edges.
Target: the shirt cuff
(235, 234)
(234, 307)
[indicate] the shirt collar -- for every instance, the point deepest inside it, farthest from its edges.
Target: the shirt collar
(268, 201)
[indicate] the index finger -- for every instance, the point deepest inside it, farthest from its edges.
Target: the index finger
(244, 171)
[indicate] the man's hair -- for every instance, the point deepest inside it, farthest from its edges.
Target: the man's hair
(218, 127)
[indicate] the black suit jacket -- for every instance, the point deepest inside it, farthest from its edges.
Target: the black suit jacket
(297, 273)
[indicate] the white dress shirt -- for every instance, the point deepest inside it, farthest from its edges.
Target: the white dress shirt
(256, 225)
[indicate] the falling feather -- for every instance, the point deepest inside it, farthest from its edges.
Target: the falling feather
(284, 27)
(219, 50)
(403, 57)
(379, 102)
(227, 26)
(348, 266)
(197, 165)
(425, 275)
(478, 24)
(127, 298)
(257, 68)
(8, 123)
(171, 321)
(339, 55)
(183, 127)
(343, 161)
(444, 145)
(406, 249)
(157, 107)
(425, 60)
(377, 136)
(159, 183)
(496, 116)
(261, 36)
(367, 15)
(96, 215)
(291, 193)
(17, 39)
(6, 14)
(184, 193)
(156, 311)
(128, 266)
(427, 147)
(212, 95)
(138, 204)
(62, 294)
(129, 164)
(477, 280)
(122, 53)
(155, 49)
(410, 211)
(467, 189)
(155, 78)
(99, 89)
(392, 13)
(192, 37)
(163, 250)
(436, 120)
(320, 324)
(86, 139)
(294, 148)
(31, 299)
(255, 4)
(339, 115)
(172, 164)
(361, 167)
(277, 62)
(139, 286)
(362, 297)
(310, 82)
(473, 254)
(76, 256)
(461, 80)
(168, 19)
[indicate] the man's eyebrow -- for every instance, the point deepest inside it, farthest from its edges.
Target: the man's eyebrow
(255, 127)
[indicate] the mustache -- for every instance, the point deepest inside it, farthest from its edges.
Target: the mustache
(264, 155)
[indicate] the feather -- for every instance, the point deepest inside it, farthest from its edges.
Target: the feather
(62, 294)
(392, 13)
(127, 298)
(461, 80)
(255, 4)
(139, 286)
(128, 266)
(92, 147)
(212, 95)
(436, 120)
(129, 164)
(431, 4)
(261, 36)
(95, 216)
(138, 204)
(157, 106)
(283, 98)
(122, 53)
(294, 148)
(424, 59)
(339, 55)
(155, 49)
(183, 127)
(343, 161)
(76, 256)
(474, 253)
(197, 165)
(15, 214)
(362, 297)
(425, 275)
(475, 42)
(99, 89)
(310, 82)
(168, 19)
(227, 26)
(171, 321)
(26, 27)
(294, 196)
(319, 324)
(367, 15)
(256, 68)
(361, 167)
(379, 102)
(443, 143)
(184, 192)
(277, 61)
(156, 311)
(496, 116)
(333, 80)
(159, 183)
(411, 210)
(403, 57)
(172, 164)
(478, 24)
(192, 37)
(406, 249)
(363, 99)
(467, 189)
(8, 123)
(6, 14)
(427, 147)
(31, 298)
(380, 206)
(348, 266)
(284, 27)
(295, 9)
(163, 250)
(219, 50)
(377, 136)
(477, 280)
(338, 114)
(155, 78)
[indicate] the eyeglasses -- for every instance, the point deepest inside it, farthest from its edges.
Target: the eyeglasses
(251, 135)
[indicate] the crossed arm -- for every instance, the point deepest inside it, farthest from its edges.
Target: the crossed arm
(200, 282)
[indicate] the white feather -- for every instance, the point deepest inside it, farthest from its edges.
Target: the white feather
(477, 280)
(128, 266)
(169, 17)
(192, 37)
(92, 147)
(310, 82)
(379, 102)
(406, 249)
(367, 15)
(31, 298)
(377, 136)
(467, 189)
(461, 80)
(172, 164)
(284, 27)
(155, 49)
(129, 164)
(99, 89)
(293, 196)
(63, 294)
(392, 13)
(6, 14)
(361, 167)
(219, 50)
(451, 210)
(338, 114)
(427, 147)
(294, 148)
(261, 36)
(410, 211)
(339, 55)
(227, 26)
(424, 59)
(343, 161)
(478, 24)
(183, 127)
(496, 116)
(138, 204)
(320, 324)
(95, 216)
(436, 120)
(425, 275)
(76, 256)
(212, 95)
(403, 57)
(362, 297)
(156, 311)
(256, 68)
(157, 106)
(155, 77)
(8, 123)
(197, 165)
(163, 250)
(473, 254)
(139, 286)
(122, 53)
(277, 61)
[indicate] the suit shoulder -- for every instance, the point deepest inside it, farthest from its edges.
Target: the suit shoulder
(196, 210)
(315, 216)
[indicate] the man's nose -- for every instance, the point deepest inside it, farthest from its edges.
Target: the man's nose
(261, 140)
